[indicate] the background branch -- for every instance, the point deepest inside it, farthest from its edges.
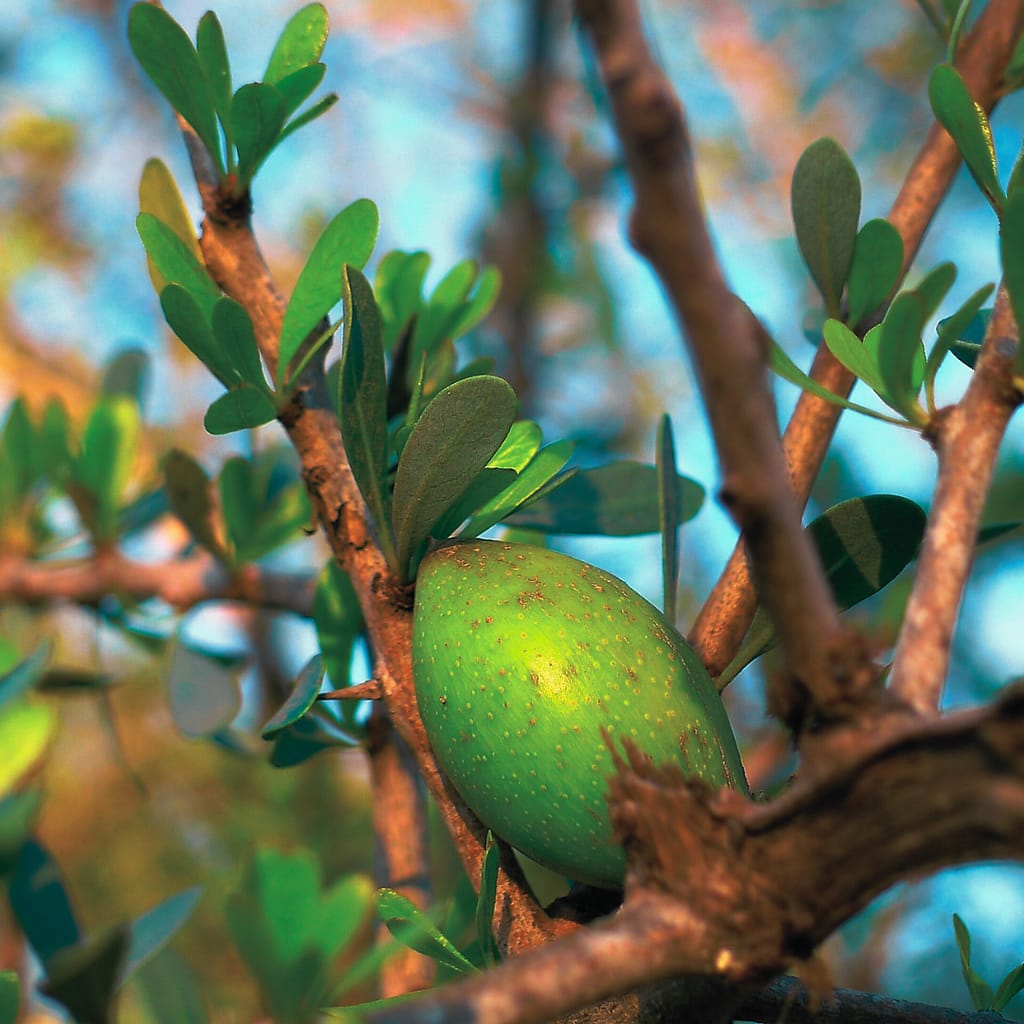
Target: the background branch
(729, 608)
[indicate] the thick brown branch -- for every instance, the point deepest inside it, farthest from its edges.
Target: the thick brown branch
(967, 438)
(727, 343)
(730, 606)
(234, 260)
(765, 883)
(182, 583)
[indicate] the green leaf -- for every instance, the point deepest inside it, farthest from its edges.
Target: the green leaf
(1011, 251)
(339, 622)
(668, 514)
(542, 469)
(300, 43)
(160, 197)
(398, 287)
(934, 286)
(242, 408)
(53, 439)
(825, 200)
(362, 402)
(18, 444)
(485, 901)
(303, 696)
(203, 694)
(127, 374)
(901, 360)
(19, 679)
(349, 238)
(18, 813)
(170, 990)
(192, 326)
(312, 734)
(1009, 988)
(258, 113)
(151, 931)
(236, 340)
(488, 484)
(176, 263)
(83, 978)
(853, 354)
(104, 465)
(480, 303)
(169, 59)
(953, 328)
(619, 499)
(518, 448)
(863, 544)
(875, 270)
(297, 87)
(318, 108)
(190, 496)
(10, 997)
(438, 319)
(454, 438)
(213, 59)
(968, 125)
(40, 902)
(410, 926)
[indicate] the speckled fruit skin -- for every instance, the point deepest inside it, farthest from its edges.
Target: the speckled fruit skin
(520, 656)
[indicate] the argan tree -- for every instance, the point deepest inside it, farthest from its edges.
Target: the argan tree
(694, 895)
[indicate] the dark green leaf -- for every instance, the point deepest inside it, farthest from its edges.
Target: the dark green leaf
(297, 87)
(668, 514)
(127, 374)
(825, 199)
(398, 288)
(339, 623)
(453, 440)
(300, 43)
(485, 488)
(23, 676)
(480, 303)
(363, 403)
(542, 469)
(318, 108)
(213, 59)
(1009, 987)
(852, 353)
(169, 59)
(967, 123)
(258, 113)
(875, 270)
(349, 238)
(303, 696)
(150, 932)
(1016, 180)
(485, 901)
(236, 341)
(83, 978)
(863, 545)
(24, 461)
(40, 902)
(242, 408)
(192, 326)
(410, 926)
(438, 319)
(1011, 250)
(189, 494)
(170, 990)
(176, 262)
(10, 997)
(309, 736)
(53, 439)
(934, 286)
(159, 196)
(204, 696)
(955, 327)
(901, 360)
(18, 813)
(616, 500)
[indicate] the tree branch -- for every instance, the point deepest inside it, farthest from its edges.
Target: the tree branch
(181, 583)
(765, 883)
(967, 438)
(729, 350)
(729, 608)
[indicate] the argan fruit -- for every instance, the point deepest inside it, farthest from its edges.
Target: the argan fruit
(521, 656)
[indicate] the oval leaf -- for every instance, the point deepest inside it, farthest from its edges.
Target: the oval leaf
(825, 200)
(875, 270)
(453, 440)
(242, 408)
(159, 195)
(300, 43)
(616, 500)
(236, 341)
(303, 696)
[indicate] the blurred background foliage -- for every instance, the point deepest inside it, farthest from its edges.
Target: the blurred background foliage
(478, 129)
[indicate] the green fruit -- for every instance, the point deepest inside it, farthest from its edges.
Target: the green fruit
(521, 656)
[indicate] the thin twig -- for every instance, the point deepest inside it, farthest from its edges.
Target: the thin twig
(719, 628)
(967, 438)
